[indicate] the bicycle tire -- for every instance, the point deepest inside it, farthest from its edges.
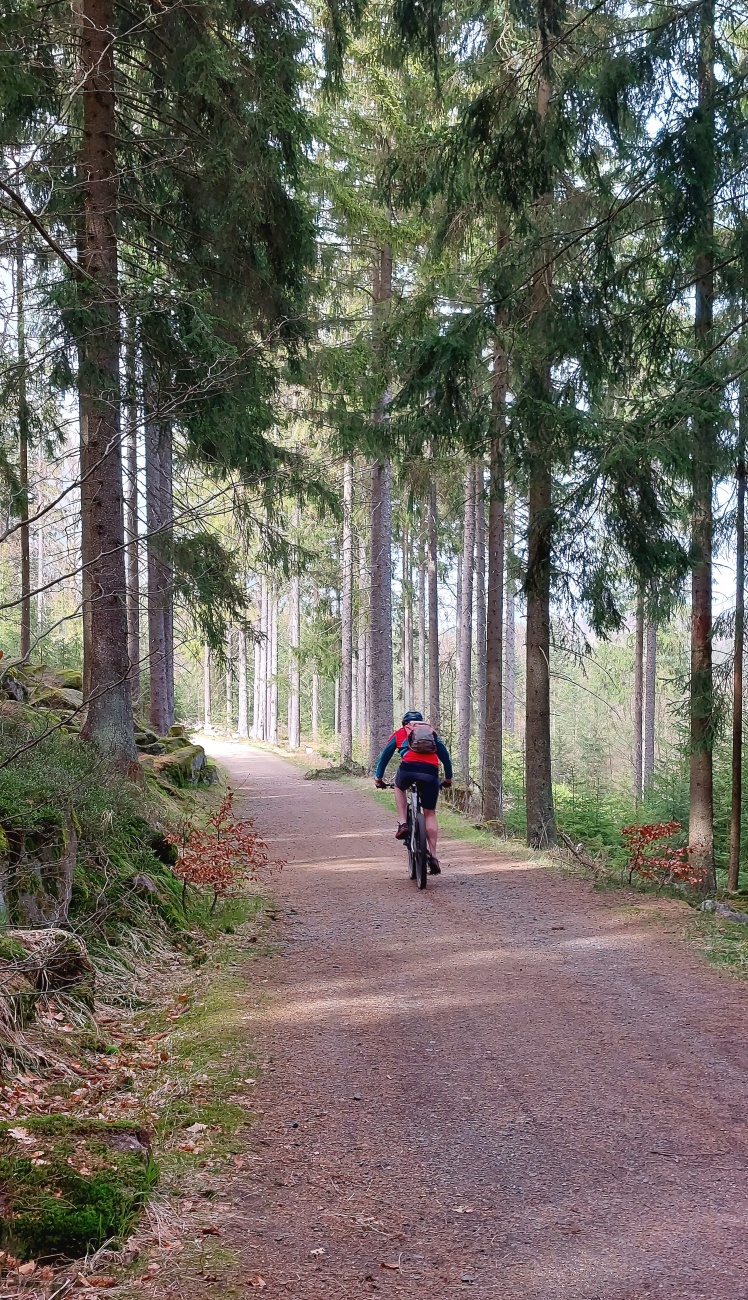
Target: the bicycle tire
(421, 852)
(411, 854)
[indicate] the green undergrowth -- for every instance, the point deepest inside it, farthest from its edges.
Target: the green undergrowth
(169, 982)
(723, 943)
(67, 1184)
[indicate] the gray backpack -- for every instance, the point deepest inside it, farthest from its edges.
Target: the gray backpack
(422, 739)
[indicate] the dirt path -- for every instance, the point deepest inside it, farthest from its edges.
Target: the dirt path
(502, 1086)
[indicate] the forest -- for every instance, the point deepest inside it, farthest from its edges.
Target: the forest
(361, 358)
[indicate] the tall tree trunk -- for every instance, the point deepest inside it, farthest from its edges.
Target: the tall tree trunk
(109, 717)
(381, 705)
(156, 452)
(638, 697)
(464, 682)
(650, 692)
(131, 513)
(229, 684)
(273, 684)
(493, 794)
(243, 720)
(737, 672)
(346, 622)
(422, 648)
(362, 642)
(256, 680)
(480, 611)
(315, 704)
(262, 685)
(407, 601)
(541, 820)
(294, 674)
(168, 540)
(40, 570)
(701, 819)
(433, 586)
(207, 714)
(23, 455)
(381, 691)
(336, 705)
(510, 665)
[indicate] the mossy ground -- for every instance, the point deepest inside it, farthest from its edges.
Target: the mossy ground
(68, 1184)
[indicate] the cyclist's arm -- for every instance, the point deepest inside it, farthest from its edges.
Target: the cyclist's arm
(442, 754)
(384, 758)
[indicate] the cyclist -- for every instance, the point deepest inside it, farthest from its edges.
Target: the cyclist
(420, 750)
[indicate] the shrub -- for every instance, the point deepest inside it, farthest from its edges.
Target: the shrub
(665, 865)
(219, 855)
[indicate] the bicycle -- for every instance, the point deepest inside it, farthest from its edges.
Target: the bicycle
(415, 841)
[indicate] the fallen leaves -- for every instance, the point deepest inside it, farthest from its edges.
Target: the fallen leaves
(257, 1280)
(96, 1281)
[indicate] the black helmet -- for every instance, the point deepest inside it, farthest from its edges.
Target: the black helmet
(412, 716)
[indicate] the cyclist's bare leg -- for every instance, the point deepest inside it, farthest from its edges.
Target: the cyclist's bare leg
(401, 803)
(432, 830)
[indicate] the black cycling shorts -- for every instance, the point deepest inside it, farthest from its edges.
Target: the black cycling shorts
(426, 775)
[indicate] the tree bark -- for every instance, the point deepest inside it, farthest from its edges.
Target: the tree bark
(294, 675)
(257, 673)
(131, 514)
(480, 611)
(493, 801)
(229, 685)
(273, 683)
(407, 603)
(262, 665)
(382, 706)
(362, 642)
(422, 648)
(541, 820)
(109, 716)
(158, 521)
(650, 691)
(23, 456)
(381, 691)
(242, 720)
(464, 682)
(701, 819)
(737, 672)
(638, 698)
(433, 589)
(315, 705)
(346, 622)
(510, 667)
(207, 723)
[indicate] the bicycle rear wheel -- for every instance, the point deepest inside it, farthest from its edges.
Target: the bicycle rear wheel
(411, 851)
(421, 852)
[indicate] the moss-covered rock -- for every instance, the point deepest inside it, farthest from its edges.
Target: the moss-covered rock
(70, 678)
(62, 698)
(185, 766)
(67, 1185)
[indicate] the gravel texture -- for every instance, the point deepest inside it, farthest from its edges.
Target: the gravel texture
(507, 1086)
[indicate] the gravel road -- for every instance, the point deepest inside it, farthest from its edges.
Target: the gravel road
(509, 1086)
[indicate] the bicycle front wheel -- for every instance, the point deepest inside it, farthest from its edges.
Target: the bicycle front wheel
(421, 852)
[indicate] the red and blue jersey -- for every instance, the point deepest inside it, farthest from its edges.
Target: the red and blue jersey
(399, 740)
